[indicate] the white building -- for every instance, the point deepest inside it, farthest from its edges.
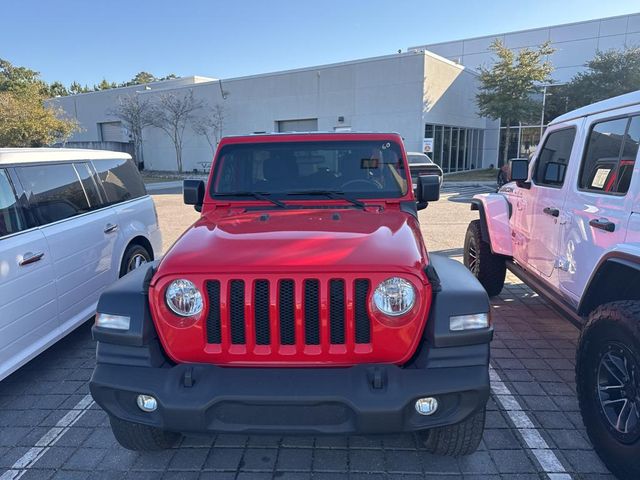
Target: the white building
(574, 43)
(426, 93)
(395, 93)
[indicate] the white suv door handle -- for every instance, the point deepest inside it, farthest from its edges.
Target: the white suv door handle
(30, 257)
(110, 228)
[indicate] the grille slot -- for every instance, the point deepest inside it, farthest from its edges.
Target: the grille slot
(213, 315)
(322, 300)
(363, 323)
(336, 311)
(261, 312)
(312, 312)
(236, 307)
(287, 313)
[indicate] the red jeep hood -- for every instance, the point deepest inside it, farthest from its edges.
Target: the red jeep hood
(297, 240)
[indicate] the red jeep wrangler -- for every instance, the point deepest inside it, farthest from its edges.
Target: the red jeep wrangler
(302, 301)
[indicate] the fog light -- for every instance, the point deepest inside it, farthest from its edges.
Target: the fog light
(115, 322)
(469, 322)
(426, 406)
(147, 403)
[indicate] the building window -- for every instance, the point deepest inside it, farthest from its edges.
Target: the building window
(455, 148)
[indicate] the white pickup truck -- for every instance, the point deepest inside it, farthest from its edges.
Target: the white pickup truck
(568, 225)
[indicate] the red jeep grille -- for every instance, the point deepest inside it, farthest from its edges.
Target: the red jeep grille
(287, 319)
(262, 321)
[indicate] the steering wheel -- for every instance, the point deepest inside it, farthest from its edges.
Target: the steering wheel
(368, 183)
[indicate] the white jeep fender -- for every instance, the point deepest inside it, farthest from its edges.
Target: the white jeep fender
(495, 211)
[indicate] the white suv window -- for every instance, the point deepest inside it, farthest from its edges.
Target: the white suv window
(10, 215)
(610, 156)
(551, 165)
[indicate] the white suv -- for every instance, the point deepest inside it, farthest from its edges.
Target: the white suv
(71, 222)
(569, 227)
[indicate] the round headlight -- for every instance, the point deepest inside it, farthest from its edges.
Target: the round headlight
(183, 298)
(394, 297)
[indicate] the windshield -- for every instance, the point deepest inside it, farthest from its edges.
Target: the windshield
(418, 158)
(361, 169)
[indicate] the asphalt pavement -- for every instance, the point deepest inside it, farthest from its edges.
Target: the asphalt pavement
(50, 427)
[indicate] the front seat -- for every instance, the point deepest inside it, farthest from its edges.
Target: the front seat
(281, 173)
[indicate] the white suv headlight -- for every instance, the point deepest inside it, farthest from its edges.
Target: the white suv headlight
(394, 297)
(183, 298)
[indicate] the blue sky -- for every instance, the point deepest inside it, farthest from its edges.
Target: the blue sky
(86, 41)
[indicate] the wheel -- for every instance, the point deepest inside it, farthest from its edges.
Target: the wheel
(490, 269)
(456, 440)
(142, 438)
(608, 384)
(134, 256)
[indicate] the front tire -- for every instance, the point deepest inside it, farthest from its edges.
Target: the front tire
(456, 440)
(608, 384)
(141, 438)
(134, 256)
(490, 269)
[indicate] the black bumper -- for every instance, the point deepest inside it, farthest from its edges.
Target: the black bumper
(327, 400)
(369, 398)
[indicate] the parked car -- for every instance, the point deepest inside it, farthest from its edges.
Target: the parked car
(71, 222)
(504, 173)
(570, 229)
(308, 256)
(421, 164)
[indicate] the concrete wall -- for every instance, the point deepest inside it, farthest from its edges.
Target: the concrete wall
(395, 93)
(575, 43)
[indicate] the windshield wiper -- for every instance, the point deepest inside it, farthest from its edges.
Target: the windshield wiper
(332, 194)
(258, 195)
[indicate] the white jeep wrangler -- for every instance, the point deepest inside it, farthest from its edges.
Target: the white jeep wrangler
(568, 225)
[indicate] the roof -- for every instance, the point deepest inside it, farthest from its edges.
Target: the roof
(309, 137)
(626, 100)
(37, 155)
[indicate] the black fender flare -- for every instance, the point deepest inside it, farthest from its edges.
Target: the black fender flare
(610, 261)
(484, 229)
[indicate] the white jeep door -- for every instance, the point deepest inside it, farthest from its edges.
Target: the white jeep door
(538, 213)
(28, 299)
(601, 199)
(81, 235)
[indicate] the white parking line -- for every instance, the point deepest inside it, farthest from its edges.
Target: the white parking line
(546, 457)
(49, 439)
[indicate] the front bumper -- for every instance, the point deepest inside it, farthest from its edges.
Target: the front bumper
(359, 399)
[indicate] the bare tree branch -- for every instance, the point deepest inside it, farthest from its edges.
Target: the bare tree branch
(210, 124)
(171, 113)
(135, 112)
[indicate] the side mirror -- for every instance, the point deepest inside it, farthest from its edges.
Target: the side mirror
(427, 190)
(519, 170)
(193, 193)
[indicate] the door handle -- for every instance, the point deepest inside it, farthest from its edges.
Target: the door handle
(110, 228)
(603, 224)
(30, 257)
(554, 212)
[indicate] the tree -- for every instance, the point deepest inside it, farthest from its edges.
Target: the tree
(210, 124)
(76, 88)
(507, 88)
(135, 113)
(25, 121)
(607, 75)
(104, 85)
(57, 89)
(172, 112)
(15, 79)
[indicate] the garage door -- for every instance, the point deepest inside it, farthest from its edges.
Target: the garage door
(304, 125)
(112, 132)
